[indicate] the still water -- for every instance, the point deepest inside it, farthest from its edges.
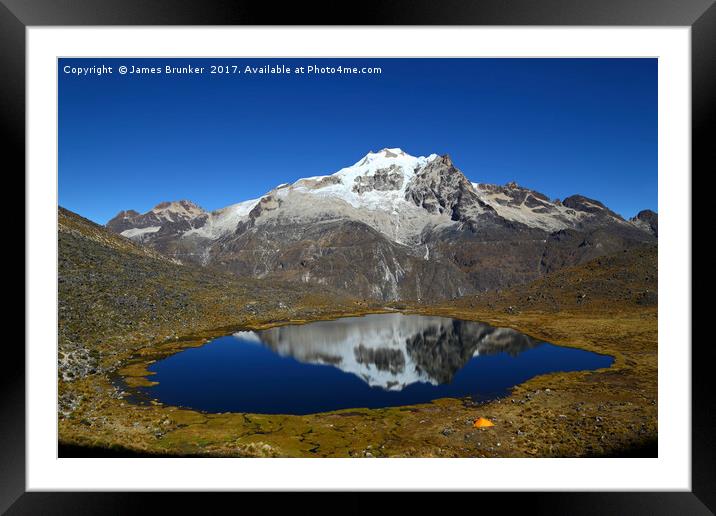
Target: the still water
(372, 361)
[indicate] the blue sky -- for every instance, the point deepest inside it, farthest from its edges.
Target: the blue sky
(559, 126)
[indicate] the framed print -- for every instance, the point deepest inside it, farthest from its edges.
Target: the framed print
(271, 252)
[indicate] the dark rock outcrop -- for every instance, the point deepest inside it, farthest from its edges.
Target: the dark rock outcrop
(441, 188)
(383, 180)
(582, 203)
(647, 219)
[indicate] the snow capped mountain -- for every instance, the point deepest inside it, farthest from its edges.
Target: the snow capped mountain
(378, 181)
(377, 190)
(401, 217)
(372, 191)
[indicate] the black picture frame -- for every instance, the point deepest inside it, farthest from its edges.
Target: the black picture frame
(700, 15)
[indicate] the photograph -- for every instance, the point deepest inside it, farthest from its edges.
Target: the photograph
(357, 257)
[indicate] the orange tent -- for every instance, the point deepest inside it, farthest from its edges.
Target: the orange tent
(481, 422)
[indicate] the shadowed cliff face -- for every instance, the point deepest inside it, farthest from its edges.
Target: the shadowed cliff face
(392, 351)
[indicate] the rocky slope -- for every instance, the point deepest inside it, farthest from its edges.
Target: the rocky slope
(115, 295)
(392, 226)
(627, 279)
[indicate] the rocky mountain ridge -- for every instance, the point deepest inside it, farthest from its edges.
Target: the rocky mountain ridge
(391, 226)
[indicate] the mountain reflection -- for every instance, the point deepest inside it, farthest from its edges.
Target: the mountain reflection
(392, 351)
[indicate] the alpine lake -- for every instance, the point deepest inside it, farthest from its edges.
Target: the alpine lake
(373, 361)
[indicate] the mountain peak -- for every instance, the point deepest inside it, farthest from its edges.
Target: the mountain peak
(154, 219)
(184, 208)
(183, 204)
(648, 220)
(581, 203)
(391, 152)
(385, 158)
(384, 154)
